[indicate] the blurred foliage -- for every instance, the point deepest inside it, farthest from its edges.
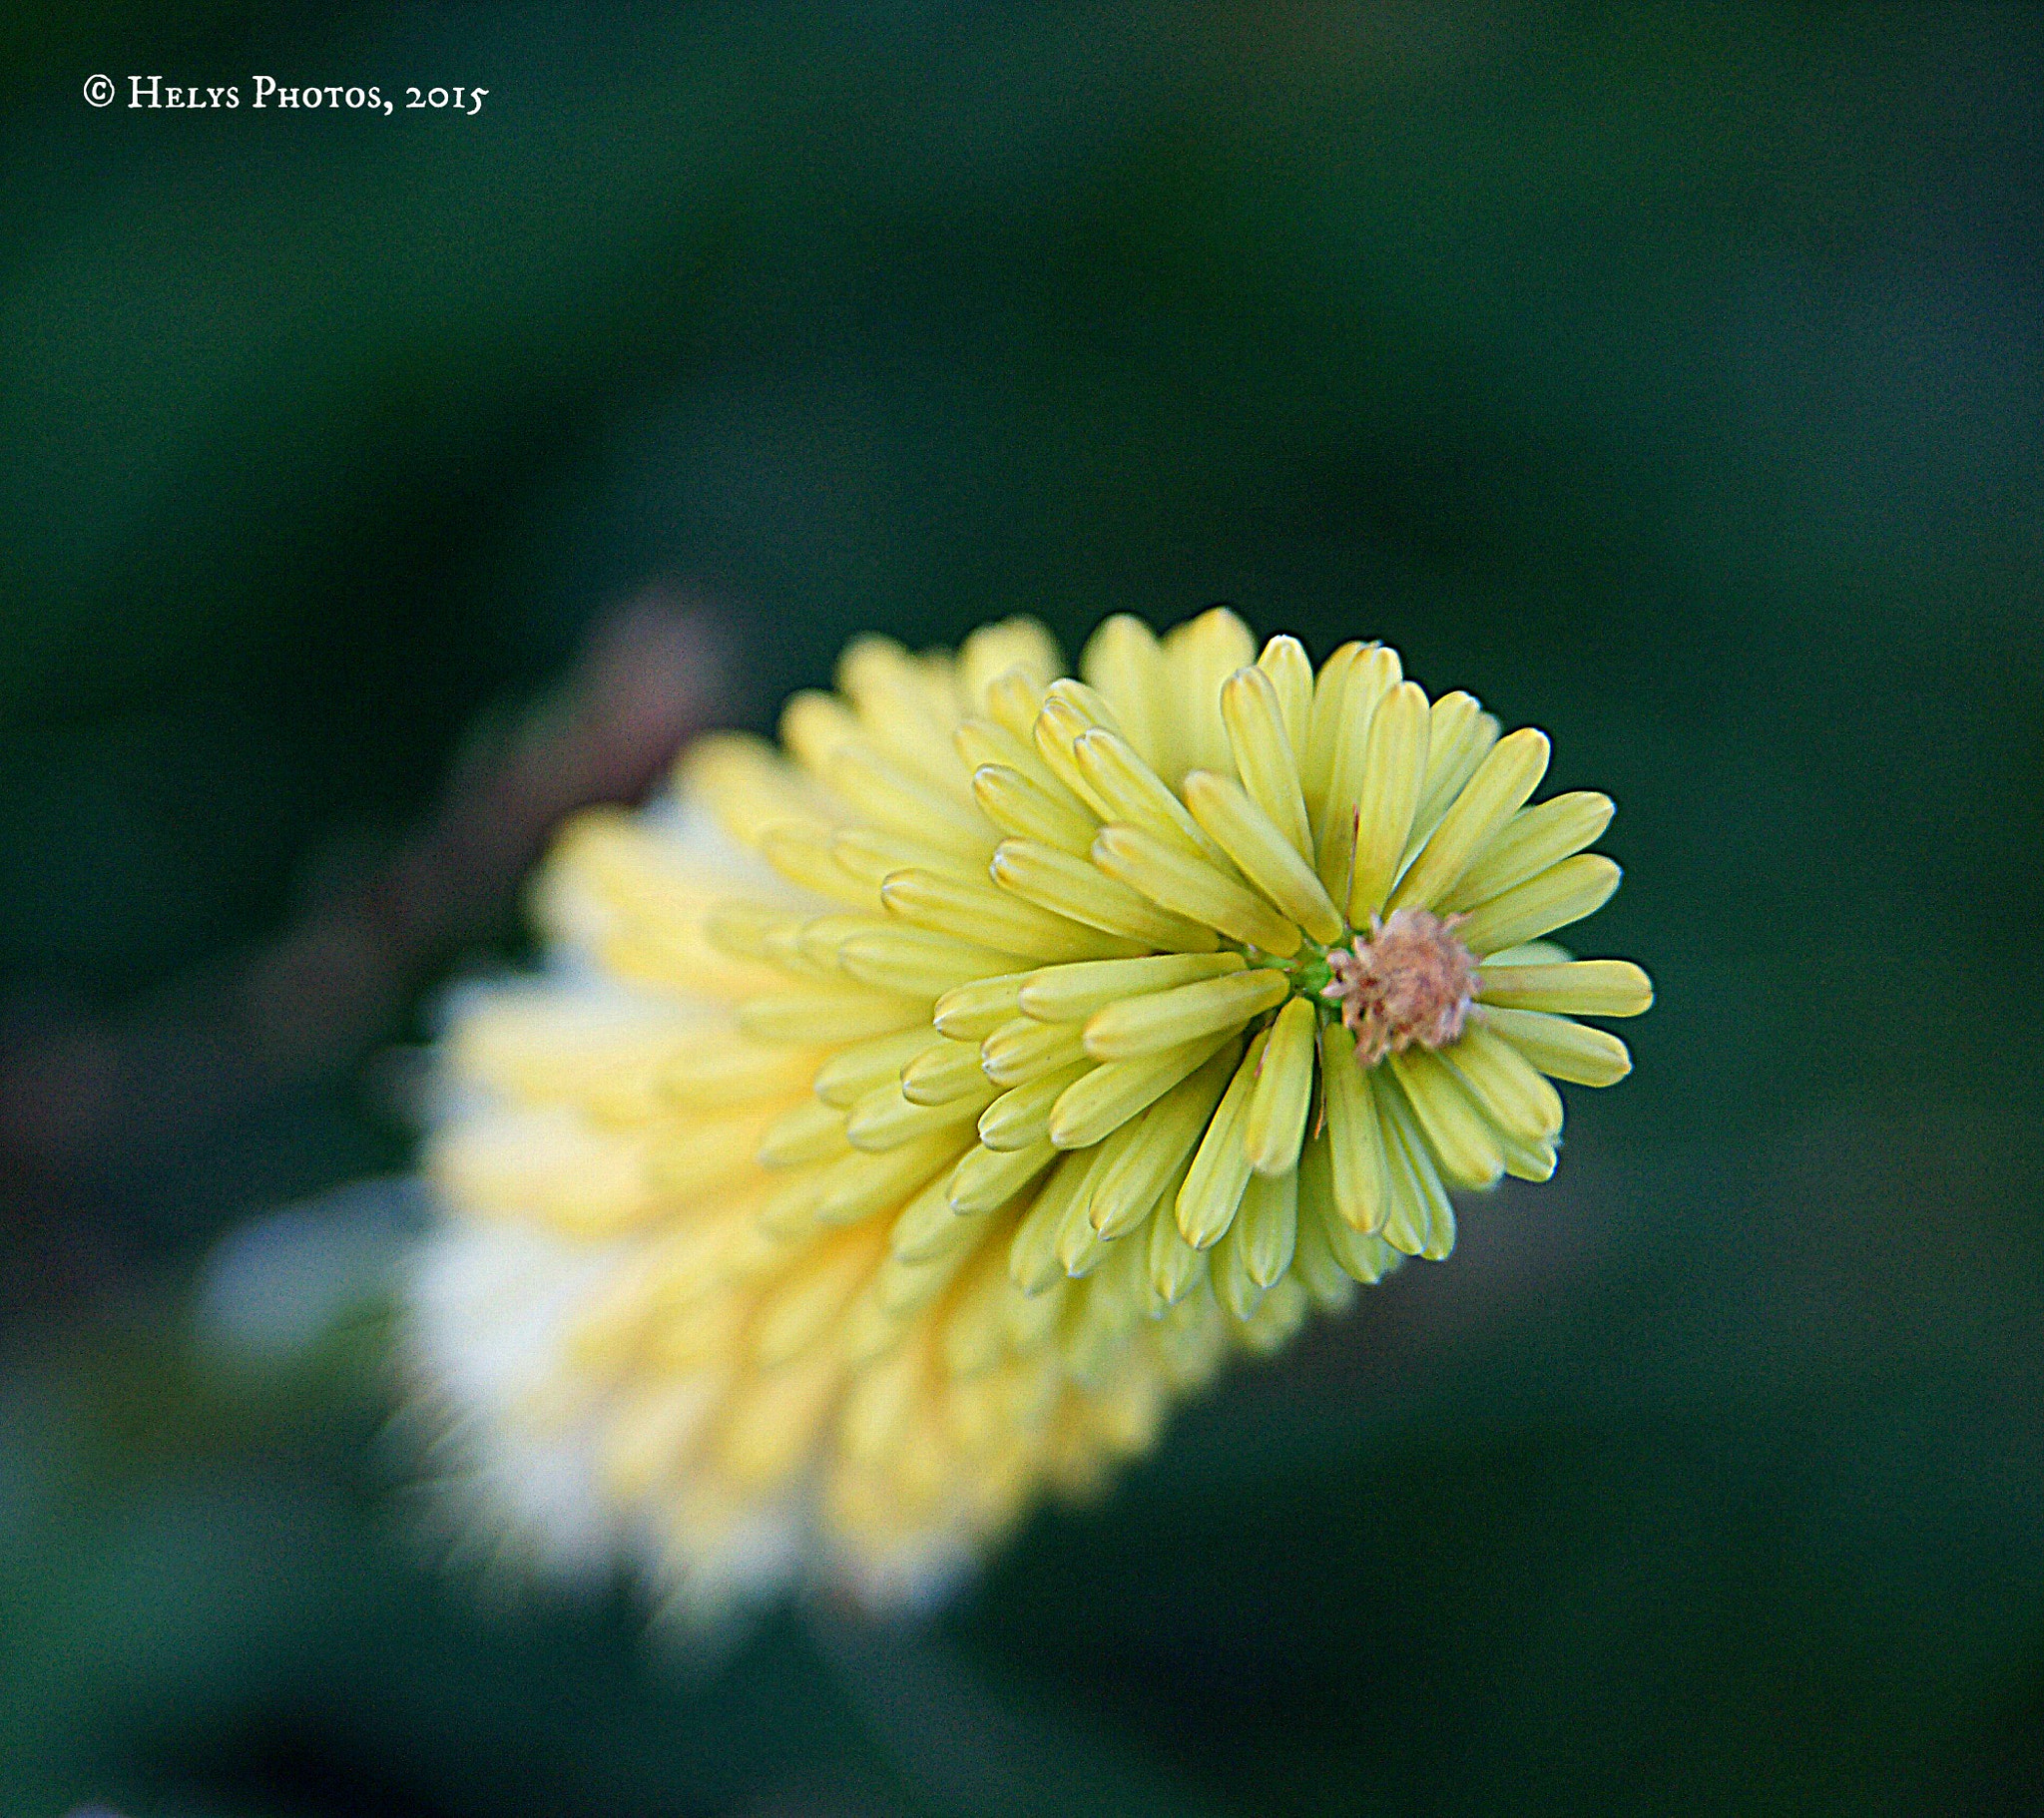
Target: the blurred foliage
(1671, 379)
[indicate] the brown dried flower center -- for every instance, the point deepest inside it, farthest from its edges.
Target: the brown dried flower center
(1411, 982)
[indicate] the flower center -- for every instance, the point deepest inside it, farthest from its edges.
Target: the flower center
(1410, 981)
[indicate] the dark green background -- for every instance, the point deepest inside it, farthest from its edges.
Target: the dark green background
(1673, 381)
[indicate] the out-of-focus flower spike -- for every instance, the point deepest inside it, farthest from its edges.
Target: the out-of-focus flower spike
(744, 1192)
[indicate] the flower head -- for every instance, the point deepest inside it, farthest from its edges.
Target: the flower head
(1408, 980)
(913, 1113)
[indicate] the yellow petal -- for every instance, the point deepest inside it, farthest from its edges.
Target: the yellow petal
(717, 1072)
(988, 1178)
(1071, 994)
(903, 1288)
(805, 1301)
(1203, 654)
(1520, 1103)
(996, 918)
(1009, 643)
(1357, 1180)
(915, 962)
(1561, 1049)
(1158, 1148)
(1534, 838)
(987, 741)
(927, 1226)
(1361, 1256)
(1023, 809)
(974, 1012)
(1076, 888)
(1021, 1116)
(1510, 771)
(802, 855)
(1189, 887)
(1112, 1093)
(1561, 894)
(1325, 728)
(1462, 1140)
(1291, 674)
(1265, 1229)
(852, 1073)
(1581, 988)
(1013, 700)
(1264, 855)
(812, 1131)
(1265, 757)
(1130, 791)
(813, 725)
(824, 1016)
(1389, 797)
(1024, 1049)
(1459, 733)
(1417, 1183)
(1033, 1262)
(707, 1156)
(897, 713)
(885, 1120)
(1175, 1267)
(1233, 1287)
(859, 1185)
(1312, 1257)
(896, 802)
(1069, 708)
(1221, 1170)
(1530, 1160)
(1169, 1019)
(1124, 663)
(1371, 678)
(1284, 1087)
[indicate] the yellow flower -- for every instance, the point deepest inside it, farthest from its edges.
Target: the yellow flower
(909, 1116)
